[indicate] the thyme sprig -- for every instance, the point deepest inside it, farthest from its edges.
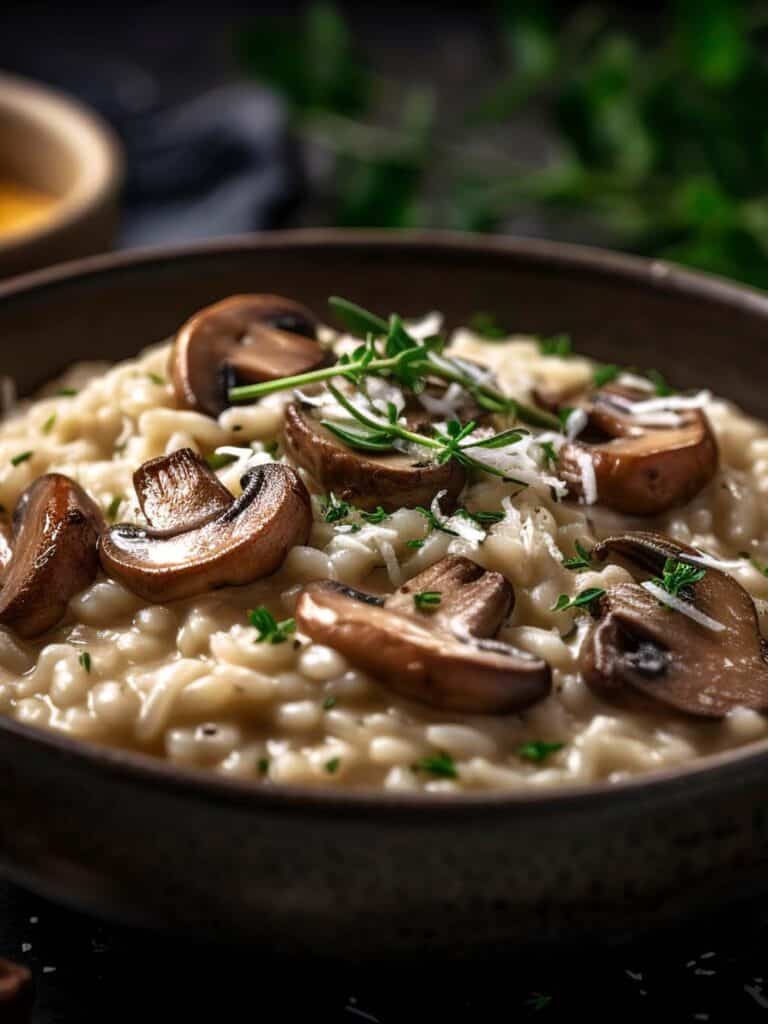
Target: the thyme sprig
(380, 435)
(679, 577)
(389, 350)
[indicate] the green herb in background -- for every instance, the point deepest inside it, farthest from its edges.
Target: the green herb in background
(113, 507)
(656, 123)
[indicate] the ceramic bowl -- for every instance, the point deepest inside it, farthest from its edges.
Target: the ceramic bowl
(51, 143)
(300, 869)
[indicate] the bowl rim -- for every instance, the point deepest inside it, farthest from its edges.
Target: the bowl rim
(98, 177)
(190, 782)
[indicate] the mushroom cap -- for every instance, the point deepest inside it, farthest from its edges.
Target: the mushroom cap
(641, 470)
(643, 654)
(179, 491)
(243, 339)
(392, 481)
(444, 659)
(248, 540)
(55, 533)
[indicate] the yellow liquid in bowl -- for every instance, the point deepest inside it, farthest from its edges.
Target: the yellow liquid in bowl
(22, 207)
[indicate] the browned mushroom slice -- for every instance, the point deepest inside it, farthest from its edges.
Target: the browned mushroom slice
(367, 480)
(55, 532)
(641, 653)
(241, 340)
(446, 658)
(247, 541)
(179, 491)
(640, 469)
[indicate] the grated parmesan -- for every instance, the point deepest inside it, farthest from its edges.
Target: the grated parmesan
(685, 607)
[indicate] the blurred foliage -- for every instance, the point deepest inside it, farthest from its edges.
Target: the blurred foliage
(661, 127)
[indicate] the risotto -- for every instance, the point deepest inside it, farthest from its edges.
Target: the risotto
(385, 558)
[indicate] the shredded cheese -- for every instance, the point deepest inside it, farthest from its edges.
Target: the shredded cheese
(685, 607)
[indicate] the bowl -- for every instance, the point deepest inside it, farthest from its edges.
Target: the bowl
(360, 874)
(52, 144)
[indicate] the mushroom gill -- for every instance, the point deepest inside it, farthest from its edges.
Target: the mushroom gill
(245, 541)
(640, 469)
(241, 340)
(643, 653)
(54, 539)
(366, 479)
(446, 658)
(179, 491)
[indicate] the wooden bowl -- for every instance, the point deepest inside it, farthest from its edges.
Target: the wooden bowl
(51, 143)
(324, 871)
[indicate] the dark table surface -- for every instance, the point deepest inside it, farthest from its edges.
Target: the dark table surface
(86, 970)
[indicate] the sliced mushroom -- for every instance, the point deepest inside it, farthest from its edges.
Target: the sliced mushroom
(179, 491)
(241, 340)
(367, 480)
(641, 653)
(248, 540)
(640, 469)
(55, 533)
(444, 658)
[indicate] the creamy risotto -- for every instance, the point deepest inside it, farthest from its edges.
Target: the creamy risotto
(527, 654)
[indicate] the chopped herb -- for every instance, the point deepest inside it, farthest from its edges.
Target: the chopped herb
(21, 457)
(679, 577)
(440, 764)
(556, 345)
(538, 750)
(328, 703)
(433, 522)
(487, 326)
(414, 544)
(538, 1001)
(332, 766)
(605, 373)
(550, 455)
(581, 560)
(335, 510)
(563, 415)
(218, 460)
(481, 518)
(377, 516)
(66, 392)
(85, 661)
(660, 385)
(263, 765)
(427, 599)
(582, 600)
(112, 507)
(270, 630)
(49, 423)
(271, 448)
(156, 379)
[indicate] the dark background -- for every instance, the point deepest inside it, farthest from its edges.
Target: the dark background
(639, 128)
